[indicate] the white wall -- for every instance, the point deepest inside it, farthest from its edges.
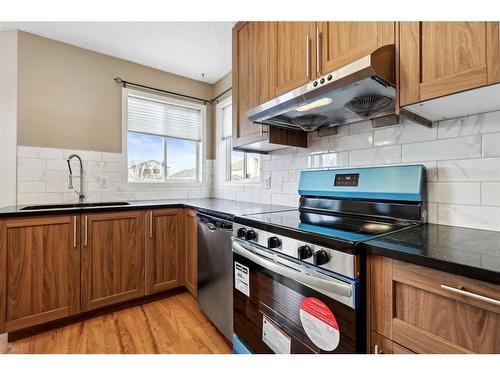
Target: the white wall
(462, 158)
(8, 117)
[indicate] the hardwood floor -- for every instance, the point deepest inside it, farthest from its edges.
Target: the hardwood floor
(171, 325)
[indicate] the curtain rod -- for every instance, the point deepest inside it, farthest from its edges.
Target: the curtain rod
(205, 101)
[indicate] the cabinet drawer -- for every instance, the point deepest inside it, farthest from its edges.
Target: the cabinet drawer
(438, 312)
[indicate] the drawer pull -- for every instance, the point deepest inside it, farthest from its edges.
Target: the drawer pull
(463, 292)
(74, 231)
(377, 350)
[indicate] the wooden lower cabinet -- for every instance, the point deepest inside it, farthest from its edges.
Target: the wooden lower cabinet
(191, 251)
(164, 249)
(39, 270)
(425, 311)
(113, 247)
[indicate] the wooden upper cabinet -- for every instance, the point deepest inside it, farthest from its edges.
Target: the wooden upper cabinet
(251, 76)
(426, 311)
(295, 59)
(341, 43)
(442, 58)
(39, 270)
(191, 251)
(164, 251)
(113, 247)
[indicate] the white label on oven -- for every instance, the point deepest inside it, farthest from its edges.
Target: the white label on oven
(319, 324)
(242, 278)
(275, 338)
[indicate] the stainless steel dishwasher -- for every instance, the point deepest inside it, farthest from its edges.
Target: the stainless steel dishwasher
(215, 271)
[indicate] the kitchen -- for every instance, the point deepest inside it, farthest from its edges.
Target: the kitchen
(316, 187)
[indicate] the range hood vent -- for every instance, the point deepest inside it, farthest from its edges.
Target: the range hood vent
(364, 89)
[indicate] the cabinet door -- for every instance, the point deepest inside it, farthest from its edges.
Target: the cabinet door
(39, 267)
(113, 258)
(427, 311)
(251, 77)
(164, 250)
(442, 58)
(342, 43)
(191, 252)
(295, 59)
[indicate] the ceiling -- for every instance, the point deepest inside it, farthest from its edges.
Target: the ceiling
(189, 49)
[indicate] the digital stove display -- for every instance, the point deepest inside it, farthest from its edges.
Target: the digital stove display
(346, 179)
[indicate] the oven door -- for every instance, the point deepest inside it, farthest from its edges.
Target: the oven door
(280, 307)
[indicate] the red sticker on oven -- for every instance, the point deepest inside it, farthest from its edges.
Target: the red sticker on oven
(320, 324)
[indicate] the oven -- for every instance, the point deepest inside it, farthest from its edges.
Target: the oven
(285, 306)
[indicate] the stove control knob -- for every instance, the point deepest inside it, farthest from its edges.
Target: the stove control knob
(241, 233)
(321, 257)
(250, 235)
(273, 242)
(304, 252)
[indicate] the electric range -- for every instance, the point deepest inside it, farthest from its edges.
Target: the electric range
(298, 274)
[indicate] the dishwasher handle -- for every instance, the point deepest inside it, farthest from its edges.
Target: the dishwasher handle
(333, 286)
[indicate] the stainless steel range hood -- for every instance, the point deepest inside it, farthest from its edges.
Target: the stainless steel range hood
(364, 89)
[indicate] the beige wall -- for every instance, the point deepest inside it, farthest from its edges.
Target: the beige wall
(67, 97)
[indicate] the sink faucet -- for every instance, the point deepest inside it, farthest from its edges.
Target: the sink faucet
(81, 195)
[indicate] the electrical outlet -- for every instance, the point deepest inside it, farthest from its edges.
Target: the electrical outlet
(267, 182)
(103, 182)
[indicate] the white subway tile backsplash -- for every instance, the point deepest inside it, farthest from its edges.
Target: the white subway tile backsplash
(31, 187)
(491, 145)
(490, 194)
(376, 156)
(481, 217)
(454, 192)
(351, 142)
(446, 149)
(469, 170)
(406, 133)
(470, 125)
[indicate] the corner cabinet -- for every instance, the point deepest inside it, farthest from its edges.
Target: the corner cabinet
(254, 83)
(442, 58)
(113, 247)
(164, 249)
(421, 310)
(39, 270)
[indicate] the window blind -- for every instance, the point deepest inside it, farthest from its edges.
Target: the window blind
(227, 121)
(160, 118)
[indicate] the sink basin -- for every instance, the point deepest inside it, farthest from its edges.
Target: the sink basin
(73, 205)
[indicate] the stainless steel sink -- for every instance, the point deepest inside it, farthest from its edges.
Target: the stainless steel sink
(73, 205)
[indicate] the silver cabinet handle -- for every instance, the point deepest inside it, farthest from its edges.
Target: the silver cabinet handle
(74, 231)
(151, 224)
(318, 49)
(85, 240)
(377, 350)
(463, 292)
(338, 287)
(308, 58)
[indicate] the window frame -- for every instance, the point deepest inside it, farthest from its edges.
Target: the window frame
(224, 149)
(199, 181)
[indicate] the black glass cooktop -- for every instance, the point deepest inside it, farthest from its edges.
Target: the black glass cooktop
(342, 227)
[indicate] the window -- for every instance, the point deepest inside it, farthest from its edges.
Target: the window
(163, 139)
(238, 165)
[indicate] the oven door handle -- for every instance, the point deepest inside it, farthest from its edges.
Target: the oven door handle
(337, 287)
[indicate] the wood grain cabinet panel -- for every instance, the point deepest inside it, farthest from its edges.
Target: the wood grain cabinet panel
(191, 251)
(164, 252)
(442, 58)
(295, 59)
(40, 267)
(342, 43)
(113, 247)
(427, 312)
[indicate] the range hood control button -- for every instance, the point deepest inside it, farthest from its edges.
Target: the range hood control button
(315, 83)
(304, 252)
(250, 235)
(322, 80)
(329, 77)
(273, 242)
(241, 233)
(321, 257)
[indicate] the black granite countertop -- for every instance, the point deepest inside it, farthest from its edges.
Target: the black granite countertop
(468, 252)
(220, 207)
